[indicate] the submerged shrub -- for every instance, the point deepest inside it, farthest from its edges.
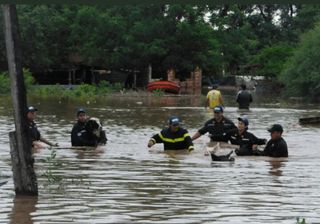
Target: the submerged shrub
(4, 83)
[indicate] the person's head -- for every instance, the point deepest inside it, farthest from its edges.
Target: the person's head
(81, 115)
(214, 86)
(31, 114)
(276, 131)
(174, 123)
(243, 123)
(218, 113)
(243, 86)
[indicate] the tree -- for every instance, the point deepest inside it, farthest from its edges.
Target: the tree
(302, 71)
(272, 59)
(45, 36)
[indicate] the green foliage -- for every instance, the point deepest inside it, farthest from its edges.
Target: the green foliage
(83, 91)
(272, 59)
(45, 35)
(5, 81)
(307, 17)
(55, 181)
(53, 90)
(214, 37)
(158, 92)
(301, 221)
(52, 164)
(28, 78)
(302, 71)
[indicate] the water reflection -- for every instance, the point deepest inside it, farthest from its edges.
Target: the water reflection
(23, 207)
(89, 153)
(276, 167)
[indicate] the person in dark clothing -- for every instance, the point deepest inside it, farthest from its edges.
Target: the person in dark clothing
(174, 137)
(35, 135)
(247, 141)
(244, 97)
(78, 129)
(276, 146)
(87, 133)
(217, 127)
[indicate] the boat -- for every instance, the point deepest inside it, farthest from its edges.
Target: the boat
(166, 86)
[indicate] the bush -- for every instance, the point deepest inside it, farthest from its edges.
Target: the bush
(48, 90)
(5, 81)
(83, 91)
(28, 78)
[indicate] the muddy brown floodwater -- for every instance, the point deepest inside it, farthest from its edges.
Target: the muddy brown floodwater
(124, 182)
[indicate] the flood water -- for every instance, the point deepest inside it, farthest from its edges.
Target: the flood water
(124, 182)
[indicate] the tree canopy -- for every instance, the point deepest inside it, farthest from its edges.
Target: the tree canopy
(302, 71)
(214, 37)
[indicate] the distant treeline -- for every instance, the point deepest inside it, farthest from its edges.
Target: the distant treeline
(232, 39)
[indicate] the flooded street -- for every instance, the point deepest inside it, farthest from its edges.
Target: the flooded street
(125, 182)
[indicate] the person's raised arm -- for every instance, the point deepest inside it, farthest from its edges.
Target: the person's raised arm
(196, 136)
(48, 142)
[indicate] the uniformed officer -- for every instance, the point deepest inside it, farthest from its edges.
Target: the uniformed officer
(276, 146)
(217, 127)
(33, 129)
(174, 137)
(247, 141)
(82, 137)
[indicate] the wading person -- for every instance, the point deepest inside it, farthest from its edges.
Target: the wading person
(174, 137)
(214, 98)
(36, 137)
(247, 141)
(276, 146)
(87, 132)
(244, 98)
(217, 127)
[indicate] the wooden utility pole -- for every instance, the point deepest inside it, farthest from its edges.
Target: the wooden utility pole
(25, 181)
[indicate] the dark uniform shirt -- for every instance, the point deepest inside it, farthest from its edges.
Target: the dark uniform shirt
(34, 132)
(276, 148)
(246, 140)
(80, 137)
(244, 98)
(217, 130)
(174, 140)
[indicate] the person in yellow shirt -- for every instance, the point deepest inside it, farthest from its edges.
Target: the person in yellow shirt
(214, 98)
